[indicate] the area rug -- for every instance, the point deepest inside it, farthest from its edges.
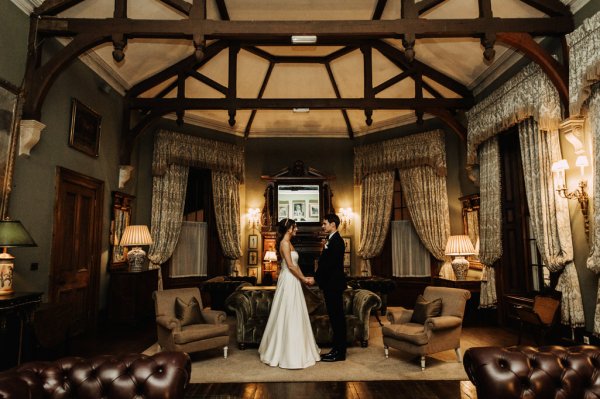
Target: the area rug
(362, 364)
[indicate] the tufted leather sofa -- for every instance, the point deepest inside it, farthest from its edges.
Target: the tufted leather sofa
(164, 375)
(528, 372)
(220, 287)
(252, 309)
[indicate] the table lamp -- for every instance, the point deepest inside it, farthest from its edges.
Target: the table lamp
(270, 256)
(459, 246)
(12, 234)
(135, 236)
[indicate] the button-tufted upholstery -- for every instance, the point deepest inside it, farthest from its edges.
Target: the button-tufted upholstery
(164, 375)
(528, 372)
(252, 309)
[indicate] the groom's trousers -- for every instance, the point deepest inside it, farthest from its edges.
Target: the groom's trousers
(334, 301)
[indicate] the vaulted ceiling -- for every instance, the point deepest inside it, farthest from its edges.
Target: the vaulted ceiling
(245, 78)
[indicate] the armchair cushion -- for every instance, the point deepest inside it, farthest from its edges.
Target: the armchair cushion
(443, 322)
(410, 332)
(425, 309)
(188, 313)
(197, 332)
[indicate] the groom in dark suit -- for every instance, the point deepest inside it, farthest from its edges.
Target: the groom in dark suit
(330, 278)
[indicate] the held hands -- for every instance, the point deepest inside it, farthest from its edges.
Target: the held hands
(310, 281)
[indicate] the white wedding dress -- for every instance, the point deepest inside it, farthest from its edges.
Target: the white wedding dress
(288, 340)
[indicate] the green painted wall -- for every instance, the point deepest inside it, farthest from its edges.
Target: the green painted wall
(14, 31)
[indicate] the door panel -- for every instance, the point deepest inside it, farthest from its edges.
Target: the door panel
(76, 242)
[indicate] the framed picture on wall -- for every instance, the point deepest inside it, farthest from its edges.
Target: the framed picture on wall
(299, 210)
(346, 259)
(348, 244)
(85, 129)
(252, 241)
(253, 272)
(252, 258)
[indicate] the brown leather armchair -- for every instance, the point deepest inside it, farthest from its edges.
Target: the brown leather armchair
(173, 336)
(436, 334)
(164, 375)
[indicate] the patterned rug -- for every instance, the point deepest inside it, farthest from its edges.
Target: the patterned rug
(362, 364)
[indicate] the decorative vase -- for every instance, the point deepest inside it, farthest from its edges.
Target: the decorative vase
(460, 266)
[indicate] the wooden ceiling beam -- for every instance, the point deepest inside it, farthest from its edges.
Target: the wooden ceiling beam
(340, 53)
(173, 104)
(260, 53)
(450, 120)
(379, 7)
(223, 13)
(391, 81)
(179, 5)
(261, 92)
(338, 95)
(208, 81)
(283, 30)
(425, 5)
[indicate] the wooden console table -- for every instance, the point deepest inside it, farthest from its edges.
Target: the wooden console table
(16, 316)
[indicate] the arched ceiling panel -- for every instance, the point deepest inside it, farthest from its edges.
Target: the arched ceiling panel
(316, 123)
(251, 71)
(348, 72)
(299, 81)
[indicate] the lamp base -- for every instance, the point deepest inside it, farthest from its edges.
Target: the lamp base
(136, 257)
(460, 266)
(7, 266)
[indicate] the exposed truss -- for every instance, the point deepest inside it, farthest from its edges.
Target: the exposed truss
(235, 35)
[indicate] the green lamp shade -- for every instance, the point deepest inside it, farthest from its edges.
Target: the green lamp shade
(13, 234)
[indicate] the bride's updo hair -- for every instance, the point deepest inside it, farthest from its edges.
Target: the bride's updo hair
(282, 227)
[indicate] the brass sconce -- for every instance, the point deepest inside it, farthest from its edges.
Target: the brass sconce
(346, 216)
(559, 168)
(254, 218)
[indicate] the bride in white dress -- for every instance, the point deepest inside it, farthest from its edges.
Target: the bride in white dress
(288, 340)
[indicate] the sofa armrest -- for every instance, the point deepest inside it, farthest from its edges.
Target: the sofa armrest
(363, 302)
(399, 315)
(240, 304)
(214, 316)
(169, 323)
(442, 323)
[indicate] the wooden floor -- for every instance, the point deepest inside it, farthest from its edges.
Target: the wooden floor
(122, 339)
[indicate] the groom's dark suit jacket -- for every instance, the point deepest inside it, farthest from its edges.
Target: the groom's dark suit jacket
(330, 274)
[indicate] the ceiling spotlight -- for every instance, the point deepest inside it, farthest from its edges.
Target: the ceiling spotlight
(304, 39)
(300, 110)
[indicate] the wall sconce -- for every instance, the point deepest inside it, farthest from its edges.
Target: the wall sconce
(559, 168)
(346, 216)
(254, 218)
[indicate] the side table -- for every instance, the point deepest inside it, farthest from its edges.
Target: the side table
(16, 316)
(130, 296)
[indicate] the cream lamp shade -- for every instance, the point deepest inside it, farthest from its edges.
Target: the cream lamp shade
(270, 256)
(135, 236)
(459, 246)
(12, 234)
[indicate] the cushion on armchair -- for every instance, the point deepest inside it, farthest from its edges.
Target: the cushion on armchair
(188, 313)
(425, 309)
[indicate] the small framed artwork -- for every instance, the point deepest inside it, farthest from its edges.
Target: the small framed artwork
(346, 259)
(283, 210)
(299, 210)
(252, 241)
(85, 129)
(348, 244)
(253, 272)
(313, 210)
(253, 258)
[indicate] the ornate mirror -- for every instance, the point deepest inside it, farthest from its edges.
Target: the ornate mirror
(470, 213)
(121, 218)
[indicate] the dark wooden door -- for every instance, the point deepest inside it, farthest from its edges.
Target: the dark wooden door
(513, 272)
(76, 240)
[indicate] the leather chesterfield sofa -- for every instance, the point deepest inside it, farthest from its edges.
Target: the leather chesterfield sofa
(252, 309)
(528, 372)
(164, 375)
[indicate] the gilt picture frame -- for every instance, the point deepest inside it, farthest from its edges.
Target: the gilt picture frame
(9, 126)
(252, 241)
(252, 258)
(84, 134)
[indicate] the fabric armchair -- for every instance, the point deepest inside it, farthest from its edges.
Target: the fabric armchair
(436, 334)
(176, 335)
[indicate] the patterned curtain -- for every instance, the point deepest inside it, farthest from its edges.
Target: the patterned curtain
(593, 262)
(550, 215)
(490, 217)
(168, 199)
(376, 205)
(226, 198)
(584, 75)
(427, 201)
